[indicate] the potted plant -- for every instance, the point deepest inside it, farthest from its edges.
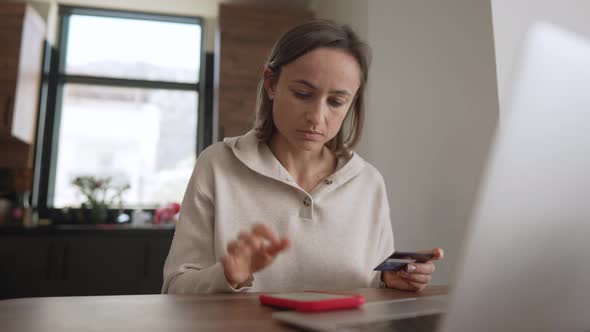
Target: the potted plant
(100, 194)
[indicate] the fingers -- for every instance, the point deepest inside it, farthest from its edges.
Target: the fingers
(253, 241)
(232, 247)
(246, 244)
(266, 232)
(388, 276)
(283, 244)
(393, 279)
(415, 278)
(418, 275)
(251, 252)
(256, 242)
(417, 287)
(421, 268)
(276, 245)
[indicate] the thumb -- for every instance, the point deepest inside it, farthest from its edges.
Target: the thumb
(438, 253)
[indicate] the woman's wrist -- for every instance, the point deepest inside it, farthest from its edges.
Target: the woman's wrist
(238, 283)
(246, 283)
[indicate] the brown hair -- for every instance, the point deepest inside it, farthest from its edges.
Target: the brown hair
(299, 41)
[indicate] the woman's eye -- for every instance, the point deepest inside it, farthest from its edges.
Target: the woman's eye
(301, 95)
(335, 103)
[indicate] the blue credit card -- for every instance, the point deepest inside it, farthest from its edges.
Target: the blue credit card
(393, 264)
(399, 259)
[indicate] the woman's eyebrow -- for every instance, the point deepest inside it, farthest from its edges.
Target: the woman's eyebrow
(312, 86)
(306, 83)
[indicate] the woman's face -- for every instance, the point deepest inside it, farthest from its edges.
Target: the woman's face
(312, 96)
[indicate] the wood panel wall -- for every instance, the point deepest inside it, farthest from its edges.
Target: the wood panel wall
(246, 36)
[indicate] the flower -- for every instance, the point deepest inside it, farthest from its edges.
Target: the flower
(100, 192)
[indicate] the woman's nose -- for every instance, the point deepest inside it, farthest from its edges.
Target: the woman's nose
(315, 112)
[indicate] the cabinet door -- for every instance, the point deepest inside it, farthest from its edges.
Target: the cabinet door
(156, 253)
(26, 266)
(22, 32)
(26, 99)
(102, 265)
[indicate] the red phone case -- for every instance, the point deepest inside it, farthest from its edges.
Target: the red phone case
(350, 301)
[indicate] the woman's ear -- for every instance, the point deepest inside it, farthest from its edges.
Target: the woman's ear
(270, 82)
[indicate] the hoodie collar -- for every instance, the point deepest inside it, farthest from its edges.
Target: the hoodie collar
(257, 156)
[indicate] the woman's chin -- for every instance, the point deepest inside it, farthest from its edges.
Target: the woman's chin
(310, 145)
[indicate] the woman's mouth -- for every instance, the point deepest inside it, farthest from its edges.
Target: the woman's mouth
(310, 135)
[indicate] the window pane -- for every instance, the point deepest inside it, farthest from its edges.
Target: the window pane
(143, 137)
(134, 49)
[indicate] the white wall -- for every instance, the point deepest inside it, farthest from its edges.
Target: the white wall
(432, 112)
(351, 12)
(512, 19)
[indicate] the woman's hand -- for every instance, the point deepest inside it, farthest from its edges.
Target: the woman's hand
(250, 253)
(415, 277)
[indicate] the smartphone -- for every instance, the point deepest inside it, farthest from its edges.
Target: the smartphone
(312, 301)
(399, 259)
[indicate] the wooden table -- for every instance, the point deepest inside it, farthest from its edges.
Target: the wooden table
(217, 312)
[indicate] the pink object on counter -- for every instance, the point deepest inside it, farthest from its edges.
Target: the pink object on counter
(166, 213)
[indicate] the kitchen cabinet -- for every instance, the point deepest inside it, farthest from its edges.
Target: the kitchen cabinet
(22, 31)
(76, 262)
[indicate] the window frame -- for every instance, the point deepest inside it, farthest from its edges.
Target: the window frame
(55, 79)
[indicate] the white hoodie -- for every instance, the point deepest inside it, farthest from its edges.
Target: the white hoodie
(339, 232)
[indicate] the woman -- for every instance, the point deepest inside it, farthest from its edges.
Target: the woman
(289, 206)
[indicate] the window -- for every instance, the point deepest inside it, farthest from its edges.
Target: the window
(128, 105)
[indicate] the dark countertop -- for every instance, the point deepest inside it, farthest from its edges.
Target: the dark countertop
(110, 229)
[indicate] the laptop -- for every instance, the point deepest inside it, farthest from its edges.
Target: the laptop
(526, 262)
